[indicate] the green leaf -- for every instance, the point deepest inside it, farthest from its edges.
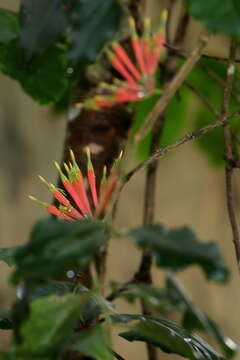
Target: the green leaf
(7, 254)
(94, 342)
(57, 246)
(194, 318)
(45, 78)
(93, 23)
(179, 248)
(5, 320)
(8, 25)
(218, 16)
(166, 335)
(50, 324)
(41, 23)
(154, 297)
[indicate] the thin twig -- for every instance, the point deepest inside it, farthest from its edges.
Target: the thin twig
(161, 152)
(217, 78)
(185, 54)
(144, 271)
(204, 100)
(172, 87)
(229, 153)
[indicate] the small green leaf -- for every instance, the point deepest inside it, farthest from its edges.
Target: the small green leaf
(8, 25)
(51, 321)
(56, 247)
(166, 335)
(93, 23)
(179, 248)
(218, 16)
(41, 23)
(5, 320)
(94, 342)
(7, 254)
(44, 78)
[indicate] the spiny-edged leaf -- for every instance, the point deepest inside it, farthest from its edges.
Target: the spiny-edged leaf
(41, 23)
(7, 254)
(166, 335)
(179, 248)
(218, 16)
(56, 247)
(93, 23)
(8, 25)
(45, 78)
(194, 318)
(94, 342)
(51, 321)
(5, 320)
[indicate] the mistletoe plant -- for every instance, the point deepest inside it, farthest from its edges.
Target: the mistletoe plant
(124, 80)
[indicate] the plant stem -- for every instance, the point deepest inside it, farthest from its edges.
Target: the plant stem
(161, 152)
(229, 152)
(185, 54)
(143, 274)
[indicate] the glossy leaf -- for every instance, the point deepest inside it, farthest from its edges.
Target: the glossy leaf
(94, 342)
(92, 24)
(55, 246)
(179, 248)
(8, 25)
(195, 319)
(41, 23)
(220, 17)
(45, 78)
(166, 335)
(7, 254)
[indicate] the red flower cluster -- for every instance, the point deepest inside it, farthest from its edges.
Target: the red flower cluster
(78, 205)
(138, 80)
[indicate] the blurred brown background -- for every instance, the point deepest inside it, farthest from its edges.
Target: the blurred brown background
(190, 192)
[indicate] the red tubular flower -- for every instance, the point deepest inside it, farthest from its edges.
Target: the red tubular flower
(138, 77)
(77, 193)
